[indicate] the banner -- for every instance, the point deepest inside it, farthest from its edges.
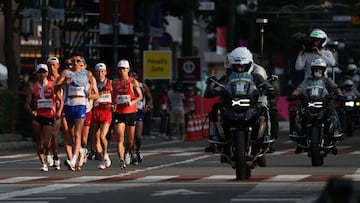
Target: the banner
(126, 17)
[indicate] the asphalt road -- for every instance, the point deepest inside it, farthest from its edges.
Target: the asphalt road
(178, 171)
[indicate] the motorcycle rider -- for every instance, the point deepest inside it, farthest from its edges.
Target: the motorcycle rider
(318, 69)
(241, 64)
(349, 90)
(305, 57)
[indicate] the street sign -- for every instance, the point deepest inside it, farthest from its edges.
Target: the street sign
(157, 64)
(189, 69)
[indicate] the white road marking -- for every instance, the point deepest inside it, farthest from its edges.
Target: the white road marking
(151, 179)
(82, 179)
(286, 178)
(36, 190)
(21, 179)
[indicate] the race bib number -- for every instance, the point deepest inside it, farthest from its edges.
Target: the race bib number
(44, 103)
(76, 91)
(121, 99)
(104, 98)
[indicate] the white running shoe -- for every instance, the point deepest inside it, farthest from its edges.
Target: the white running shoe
(82, 156)
(57, 164)
(101, 165)
(107, 160)
(127, 159)
(49, 160)
(44, 167)
(70, 165)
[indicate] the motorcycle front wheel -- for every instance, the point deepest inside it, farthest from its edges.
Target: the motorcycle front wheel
(243, 171)
(316, 157)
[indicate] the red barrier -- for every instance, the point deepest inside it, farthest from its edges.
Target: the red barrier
(197, 127)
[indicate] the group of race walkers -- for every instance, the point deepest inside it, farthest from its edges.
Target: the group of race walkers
(80, 103)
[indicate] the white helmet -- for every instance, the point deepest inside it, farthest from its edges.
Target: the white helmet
(317, 33)
(242, 56)
(318, 63)
(351, 69)
(349, 83)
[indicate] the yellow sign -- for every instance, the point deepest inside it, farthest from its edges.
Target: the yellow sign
(157, 64)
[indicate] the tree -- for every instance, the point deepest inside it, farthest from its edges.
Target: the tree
(11, 19)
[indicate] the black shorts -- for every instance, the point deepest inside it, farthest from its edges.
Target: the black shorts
(128, 118)
(44, 120)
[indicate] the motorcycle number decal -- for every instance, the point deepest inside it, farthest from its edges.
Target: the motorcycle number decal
(315, 91)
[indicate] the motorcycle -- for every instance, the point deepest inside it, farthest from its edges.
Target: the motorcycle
(314, 127)
(351, 109)
(241, 127)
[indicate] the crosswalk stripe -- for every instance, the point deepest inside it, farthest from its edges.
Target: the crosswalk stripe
(81, 179)
(287, 178)
(151, 179)
(21, 179)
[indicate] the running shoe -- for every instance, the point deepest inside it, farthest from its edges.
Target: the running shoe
(69, 165)
(91, 155)
(57, 164)
(49, 160)
(82, 156)
(134, 160)
(139, 157)
(122, 164)
(107, 160)
(127, 158)
(101, 165)
(44, 167)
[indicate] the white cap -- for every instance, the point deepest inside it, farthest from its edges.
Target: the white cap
(100, 66)
(41, 66)
(123, 63)
(53, 59)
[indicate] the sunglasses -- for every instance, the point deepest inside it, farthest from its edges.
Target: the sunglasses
(77, 60)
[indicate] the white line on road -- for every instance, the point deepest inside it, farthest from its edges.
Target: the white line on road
(35, 190)
(21, 179)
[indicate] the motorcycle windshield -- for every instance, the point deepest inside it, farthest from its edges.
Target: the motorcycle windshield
(241, 84)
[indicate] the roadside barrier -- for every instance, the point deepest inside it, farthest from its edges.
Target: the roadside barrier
(197, 127)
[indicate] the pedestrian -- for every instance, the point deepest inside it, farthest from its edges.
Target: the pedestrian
(127, 93)
(143, 106)
(147, 122)
(177, 116)
(79, 85)
(43, 111)
(53, 64)
(102, 115)
(164, 111)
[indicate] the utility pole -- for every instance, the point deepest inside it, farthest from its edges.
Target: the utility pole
(44, 31)
(116, 37)
(230, 26)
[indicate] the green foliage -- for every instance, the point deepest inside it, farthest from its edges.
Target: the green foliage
(8, 111)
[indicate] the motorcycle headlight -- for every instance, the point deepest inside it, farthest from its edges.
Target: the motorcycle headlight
(318, 104)
(358, 103)
(240, 102)
(350, 103)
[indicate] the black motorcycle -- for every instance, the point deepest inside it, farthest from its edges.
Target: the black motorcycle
(351, 109)
(243, 126)
(314, 127)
